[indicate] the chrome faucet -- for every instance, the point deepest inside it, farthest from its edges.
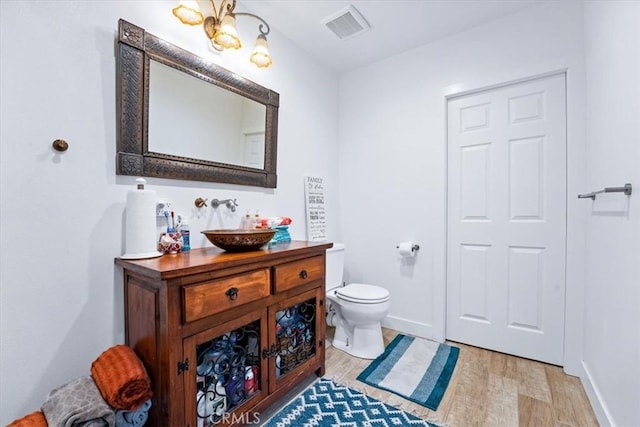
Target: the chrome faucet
(230, 203)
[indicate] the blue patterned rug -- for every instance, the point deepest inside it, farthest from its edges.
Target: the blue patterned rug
(417, 369)
(325, 404)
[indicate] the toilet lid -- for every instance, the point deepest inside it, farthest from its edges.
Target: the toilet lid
(362, 293)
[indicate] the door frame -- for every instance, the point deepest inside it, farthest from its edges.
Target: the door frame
(575, 152)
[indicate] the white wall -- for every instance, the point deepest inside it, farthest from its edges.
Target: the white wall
(393, 155)
(612, 296)
(61, 215)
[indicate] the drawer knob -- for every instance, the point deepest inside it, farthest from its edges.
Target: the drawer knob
(303, 274)
(232, 293)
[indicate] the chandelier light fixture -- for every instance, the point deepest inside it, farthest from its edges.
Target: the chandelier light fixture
(220, 28)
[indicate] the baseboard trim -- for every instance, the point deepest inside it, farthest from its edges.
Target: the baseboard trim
(410, 327)
(595, 398)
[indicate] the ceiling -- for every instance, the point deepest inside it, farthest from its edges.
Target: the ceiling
(396, 25)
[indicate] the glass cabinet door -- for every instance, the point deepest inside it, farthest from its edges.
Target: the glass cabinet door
(226, 371)
(294, 326)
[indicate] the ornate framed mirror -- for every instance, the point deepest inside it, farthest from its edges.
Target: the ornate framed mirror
(182, 117)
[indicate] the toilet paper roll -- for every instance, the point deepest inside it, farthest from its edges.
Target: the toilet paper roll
(140, 225)
(407, 249)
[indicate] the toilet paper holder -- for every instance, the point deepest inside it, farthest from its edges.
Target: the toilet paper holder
(414, 247)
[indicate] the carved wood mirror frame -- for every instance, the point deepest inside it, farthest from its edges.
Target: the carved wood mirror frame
(135, 49)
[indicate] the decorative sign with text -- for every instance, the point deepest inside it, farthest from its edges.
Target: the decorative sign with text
(314, 201)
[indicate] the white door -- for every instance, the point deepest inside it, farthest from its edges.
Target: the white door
(507, 219)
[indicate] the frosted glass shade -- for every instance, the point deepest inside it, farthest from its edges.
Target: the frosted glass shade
(227, 35)
(188, 13)
(260, 55)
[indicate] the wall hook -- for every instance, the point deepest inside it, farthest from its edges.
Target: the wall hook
(60, 145)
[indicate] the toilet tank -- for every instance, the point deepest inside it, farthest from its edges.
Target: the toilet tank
(335, 266)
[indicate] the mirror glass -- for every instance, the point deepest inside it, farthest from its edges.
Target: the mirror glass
(184, 117)
(190, 117)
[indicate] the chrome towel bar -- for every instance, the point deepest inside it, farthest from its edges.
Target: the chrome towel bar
(626, 190)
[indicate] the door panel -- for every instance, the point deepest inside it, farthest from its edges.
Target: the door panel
(507, 219)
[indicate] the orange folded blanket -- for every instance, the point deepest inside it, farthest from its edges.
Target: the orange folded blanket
(121, 378)
(34, 419)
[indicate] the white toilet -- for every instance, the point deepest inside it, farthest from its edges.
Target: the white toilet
(355, 310)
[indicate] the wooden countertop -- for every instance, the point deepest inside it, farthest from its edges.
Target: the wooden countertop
(211, 258)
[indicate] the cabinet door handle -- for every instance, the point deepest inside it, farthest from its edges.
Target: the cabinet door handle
(269, 353)
(303, 274)
(232, 293)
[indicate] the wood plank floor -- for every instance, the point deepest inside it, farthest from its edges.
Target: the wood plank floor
(487, 389)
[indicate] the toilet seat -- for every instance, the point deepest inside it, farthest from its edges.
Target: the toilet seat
(361, 293)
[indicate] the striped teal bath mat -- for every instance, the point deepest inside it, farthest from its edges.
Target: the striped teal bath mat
(417, 369)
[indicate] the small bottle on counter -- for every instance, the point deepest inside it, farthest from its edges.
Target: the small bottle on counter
(245, 223)
(184, 231)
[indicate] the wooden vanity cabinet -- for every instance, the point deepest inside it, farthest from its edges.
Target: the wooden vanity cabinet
(224, 335)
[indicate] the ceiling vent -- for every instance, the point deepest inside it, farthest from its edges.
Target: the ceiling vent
(346, 23)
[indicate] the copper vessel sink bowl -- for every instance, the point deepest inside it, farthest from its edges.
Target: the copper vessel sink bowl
(240, 240)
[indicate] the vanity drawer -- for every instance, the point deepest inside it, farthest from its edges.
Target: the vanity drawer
(204, 299)
(298, 273)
